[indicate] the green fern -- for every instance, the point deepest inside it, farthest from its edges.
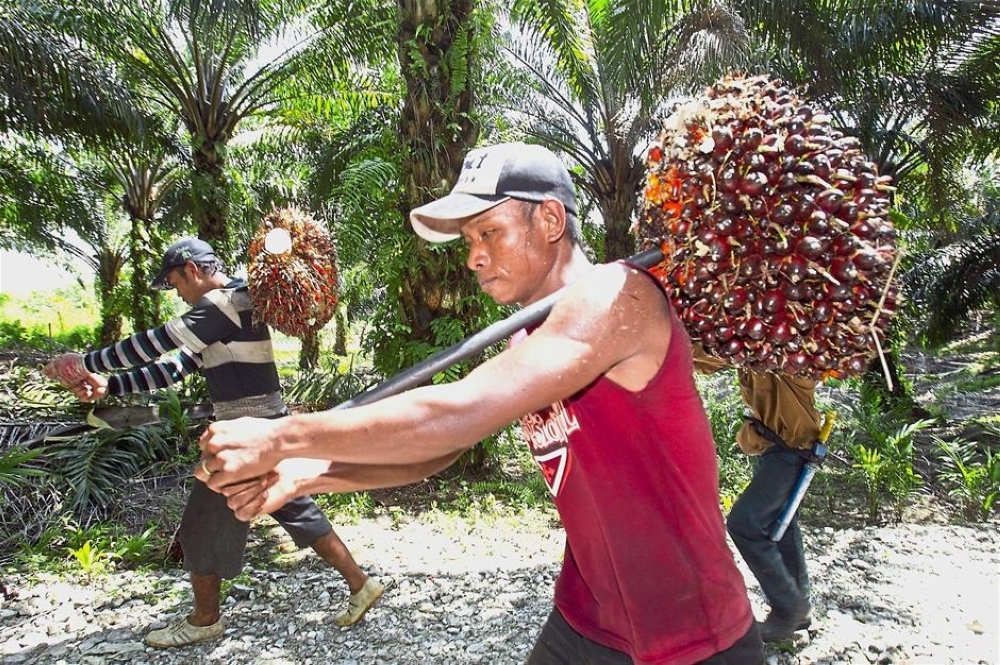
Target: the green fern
(14, 468)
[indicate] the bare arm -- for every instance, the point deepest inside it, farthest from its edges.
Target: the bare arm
(293, 478)
(612, 321)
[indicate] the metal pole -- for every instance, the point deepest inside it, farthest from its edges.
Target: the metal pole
(423, 371)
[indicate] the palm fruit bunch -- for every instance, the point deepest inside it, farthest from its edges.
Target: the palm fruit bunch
(292, 272)
(778, 250)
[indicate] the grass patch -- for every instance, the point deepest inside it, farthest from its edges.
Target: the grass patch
(349, 508)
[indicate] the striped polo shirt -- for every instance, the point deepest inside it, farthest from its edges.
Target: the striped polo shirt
(217, 335)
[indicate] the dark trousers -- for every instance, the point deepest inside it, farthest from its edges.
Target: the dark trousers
(780, 567)
(559, 644)
(214, 541)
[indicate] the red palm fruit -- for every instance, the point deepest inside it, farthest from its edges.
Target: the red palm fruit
(755, 329)
(753, 183)
(750, 266)
(809, 247)
(733, 347)
(799, 320)
(724, 333)
(795, 267)
(780, 333)
(796, 363)
(848, 212)
(866, 258)
(773, 301)
(843, 269)
(793, 291)
(821, 311)
(826, 330)
(292, 283)
(783, 214)
(781, 209)
(735, 300)
(818, 223)
(723, 138)
(856, 364)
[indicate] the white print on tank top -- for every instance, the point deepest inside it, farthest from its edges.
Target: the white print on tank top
(547, 434)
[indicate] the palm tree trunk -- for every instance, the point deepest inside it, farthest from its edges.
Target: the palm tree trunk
(438, 132)
(144, 252)
(340, 341)
(619, 242)
(111, 303)
(210, 189)
(616, 182)
(309, 351)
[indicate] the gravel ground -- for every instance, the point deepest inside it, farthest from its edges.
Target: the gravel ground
(477, 591)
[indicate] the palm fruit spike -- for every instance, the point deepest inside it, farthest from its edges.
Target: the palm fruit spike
(292, 272)
(775, 230)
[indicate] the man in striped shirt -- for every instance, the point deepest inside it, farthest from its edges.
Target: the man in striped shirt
(219, 337)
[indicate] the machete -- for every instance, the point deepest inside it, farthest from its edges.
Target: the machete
(129, 417)
(820, 449)
(117, 418)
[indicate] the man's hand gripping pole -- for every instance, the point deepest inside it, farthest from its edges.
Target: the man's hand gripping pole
(808, 471)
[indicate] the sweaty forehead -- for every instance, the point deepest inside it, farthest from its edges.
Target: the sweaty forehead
(508, 212)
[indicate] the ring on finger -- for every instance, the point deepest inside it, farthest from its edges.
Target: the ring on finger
(205, 469)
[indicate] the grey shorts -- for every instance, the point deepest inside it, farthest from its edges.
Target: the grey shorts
(214, 541)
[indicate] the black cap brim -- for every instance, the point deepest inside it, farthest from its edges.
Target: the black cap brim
(160, 282)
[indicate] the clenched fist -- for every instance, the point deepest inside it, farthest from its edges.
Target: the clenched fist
(252, 498)
(91, 389)
(235, 450)
(68, 369)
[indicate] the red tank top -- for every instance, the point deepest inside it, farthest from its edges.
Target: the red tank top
(647, 569)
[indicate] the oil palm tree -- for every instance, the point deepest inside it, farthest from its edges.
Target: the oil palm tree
(603, 74)
(959, 276)
(90, 205)
(146, 175)
(212, 65)
(54, 87)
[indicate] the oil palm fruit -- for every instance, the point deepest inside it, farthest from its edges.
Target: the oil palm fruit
(779, 252)
(292, 272)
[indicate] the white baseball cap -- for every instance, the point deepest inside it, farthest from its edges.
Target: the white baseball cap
(490, 176)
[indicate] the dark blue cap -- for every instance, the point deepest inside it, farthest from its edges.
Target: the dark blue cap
(178, 254)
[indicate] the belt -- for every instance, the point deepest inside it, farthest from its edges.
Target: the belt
(258, 406)
(808, 454)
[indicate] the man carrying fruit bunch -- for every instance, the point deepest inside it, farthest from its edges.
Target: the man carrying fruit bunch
(219, 337)
(604, 391)
(779, 431)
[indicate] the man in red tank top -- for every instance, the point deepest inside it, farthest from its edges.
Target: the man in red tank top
(607, 403)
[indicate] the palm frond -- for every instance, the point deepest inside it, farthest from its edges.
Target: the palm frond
(98, 465)
(52, 86)
(949, 282)
(15, 470)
